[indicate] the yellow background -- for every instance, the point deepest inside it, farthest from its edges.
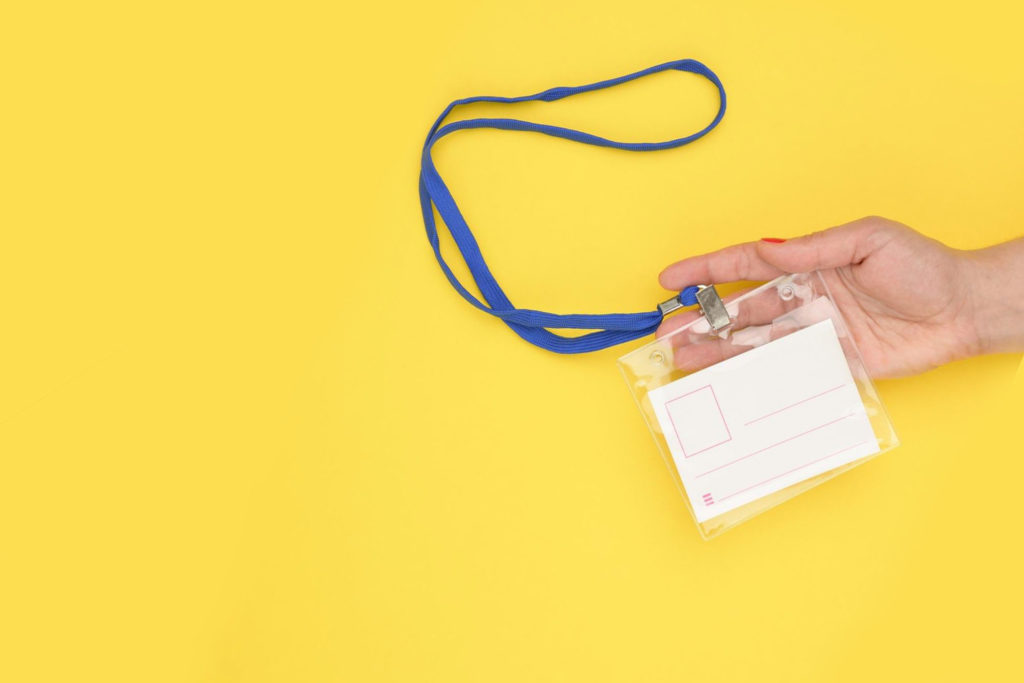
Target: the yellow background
(249, 433)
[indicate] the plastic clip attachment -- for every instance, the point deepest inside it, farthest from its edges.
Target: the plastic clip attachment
(713, 309)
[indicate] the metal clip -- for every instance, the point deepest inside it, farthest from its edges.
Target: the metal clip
(713, 309)
(710, 305)
(670, 306)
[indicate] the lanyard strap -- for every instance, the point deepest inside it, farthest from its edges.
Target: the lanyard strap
(534, 326)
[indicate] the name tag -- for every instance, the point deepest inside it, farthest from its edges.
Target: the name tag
(757, 399)
(764, 420)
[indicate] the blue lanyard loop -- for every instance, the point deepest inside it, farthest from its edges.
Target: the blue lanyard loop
(535, 326)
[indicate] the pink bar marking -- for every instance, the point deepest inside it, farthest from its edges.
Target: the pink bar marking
(809, 398)
(806, 464)
(762, 450)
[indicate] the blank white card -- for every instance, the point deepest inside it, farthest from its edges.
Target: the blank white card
(764, 420)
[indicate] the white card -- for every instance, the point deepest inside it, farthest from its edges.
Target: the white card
(764, 420)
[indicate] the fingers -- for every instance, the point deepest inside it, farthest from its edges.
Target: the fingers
(753, 323)
(844, 245)
(763, 260)
(738, 262)
(759, 319)
(693, 357)
(673, 323)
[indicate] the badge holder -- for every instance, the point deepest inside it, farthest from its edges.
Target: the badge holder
(754, 400)
(751, 401)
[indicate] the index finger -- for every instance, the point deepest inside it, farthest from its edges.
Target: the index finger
(732, 264)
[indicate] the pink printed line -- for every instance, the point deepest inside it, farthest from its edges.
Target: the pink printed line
(762, 450)
(807, 464)
(809, 398)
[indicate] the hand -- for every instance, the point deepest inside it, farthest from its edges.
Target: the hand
(910, 302)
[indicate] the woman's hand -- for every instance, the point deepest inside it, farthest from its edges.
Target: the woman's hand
(910, 302)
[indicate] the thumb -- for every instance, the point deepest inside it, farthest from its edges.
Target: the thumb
(844, 245)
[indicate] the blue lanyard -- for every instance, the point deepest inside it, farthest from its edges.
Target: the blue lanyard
(535, 326)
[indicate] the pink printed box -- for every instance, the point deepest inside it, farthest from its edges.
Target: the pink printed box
(698, 421)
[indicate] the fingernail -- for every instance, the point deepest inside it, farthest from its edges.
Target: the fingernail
(773, 240)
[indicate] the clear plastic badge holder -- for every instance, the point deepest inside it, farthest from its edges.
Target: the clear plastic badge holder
(772, 403)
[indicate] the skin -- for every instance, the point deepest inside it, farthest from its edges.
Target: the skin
(911, 303)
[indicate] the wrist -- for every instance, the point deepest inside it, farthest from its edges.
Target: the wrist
(994, 278)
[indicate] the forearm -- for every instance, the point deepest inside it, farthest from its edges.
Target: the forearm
(996, 281)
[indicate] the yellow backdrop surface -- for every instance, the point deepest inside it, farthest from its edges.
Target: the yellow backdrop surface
(249, 433)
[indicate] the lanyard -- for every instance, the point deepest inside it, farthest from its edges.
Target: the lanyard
(535, 326)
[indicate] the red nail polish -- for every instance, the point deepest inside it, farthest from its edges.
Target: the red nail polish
(773, 240)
